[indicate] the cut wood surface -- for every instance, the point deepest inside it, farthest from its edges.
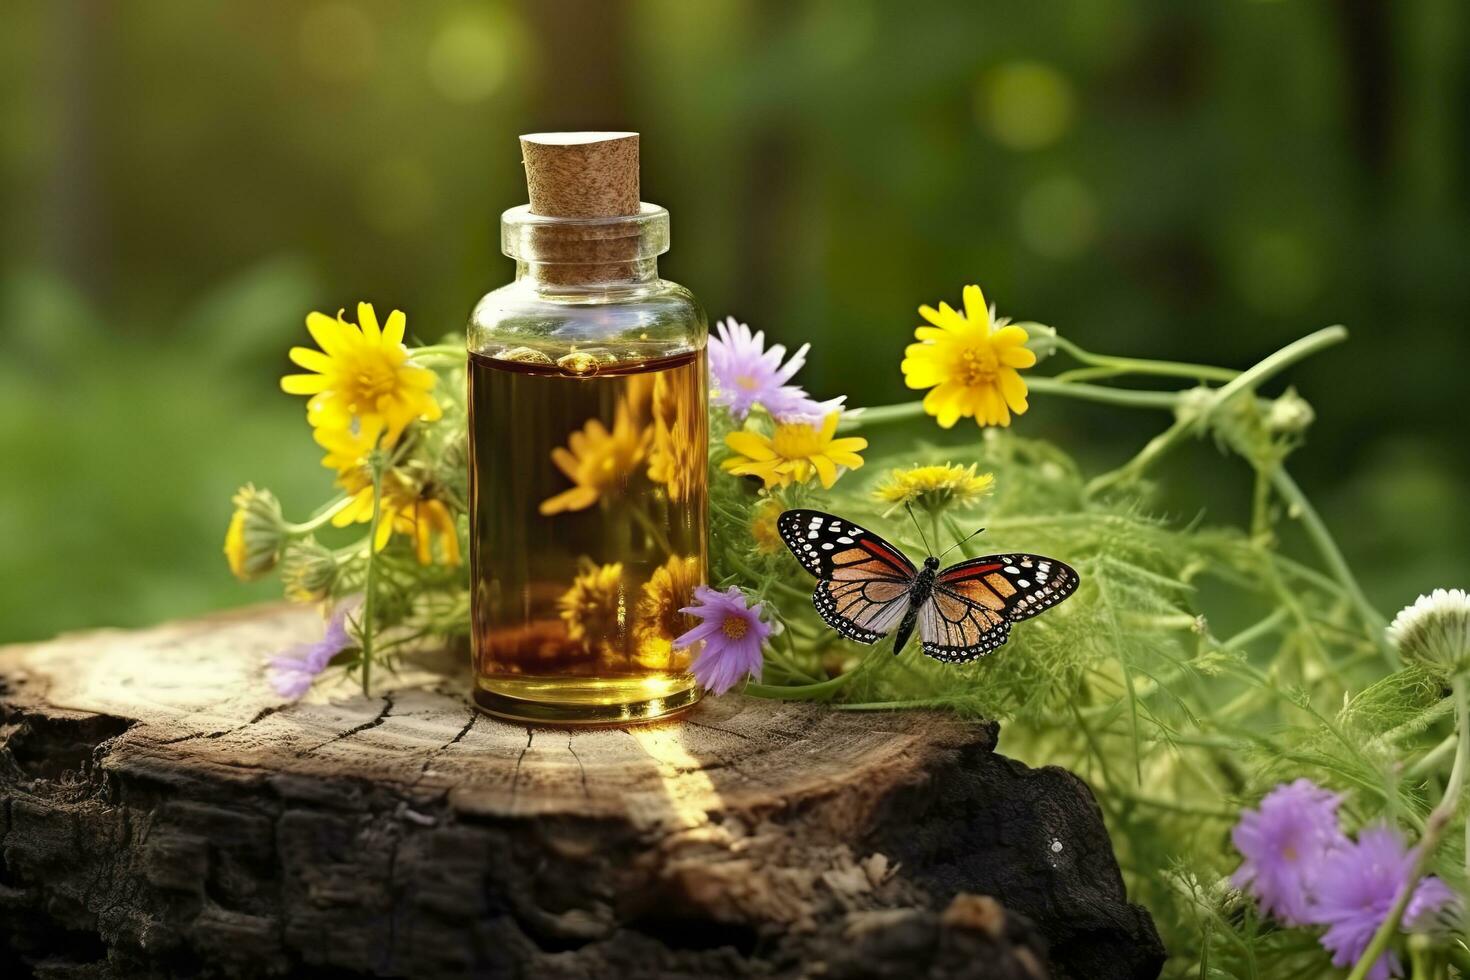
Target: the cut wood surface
(166, 814)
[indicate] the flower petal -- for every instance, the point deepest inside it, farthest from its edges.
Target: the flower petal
(367, 320)
(1009, 336)
(751, 445)
(975, 309)
(393, 330)
(1017, 357)
(826, 471)
(1013, 389)
(304, 384)
(326, 331)
(312, 360)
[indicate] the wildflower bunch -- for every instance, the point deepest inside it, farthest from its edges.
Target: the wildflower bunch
(1137, 684)
(383, 417)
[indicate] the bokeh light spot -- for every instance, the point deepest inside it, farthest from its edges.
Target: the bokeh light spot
(1025, 105)
(1057, 217)
(339, 42)
(470, 56)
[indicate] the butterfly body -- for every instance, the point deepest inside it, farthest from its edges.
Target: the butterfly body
(919, 593)
(866, 587)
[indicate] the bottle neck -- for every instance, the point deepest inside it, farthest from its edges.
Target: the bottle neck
(585, 254)
(589, 276)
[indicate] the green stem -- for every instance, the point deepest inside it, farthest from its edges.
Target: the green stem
(1243, 383)
(1135, 365)
(332, 509)
(1301, 507)
(801, 692)
(376, 464)
(1438, 822)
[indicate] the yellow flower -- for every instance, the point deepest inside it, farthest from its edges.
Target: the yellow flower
(361, 372)
(669, 589)
(408, 506)
(597, 461)
(256, 534)
(675, 455)
(423, 519)
(595, 605)
(934, 487)
(795, 452)
(308, 571)
(970, 362)
(763, 526)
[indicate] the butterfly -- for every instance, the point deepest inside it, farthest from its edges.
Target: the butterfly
(866, 587)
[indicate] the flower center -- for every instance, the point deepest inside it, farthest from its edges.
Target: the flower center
(1289, 853)
(734, 627)
(373, 380)
(978, 366)
(796, 441)
(746, 381)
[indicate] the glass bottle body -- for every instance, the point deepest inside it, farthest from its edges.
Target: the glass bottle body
(588, 450)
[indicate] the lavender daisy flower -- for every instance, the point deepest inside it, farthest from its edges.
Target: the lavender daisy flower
(746, 372)
(732, 634)
(1356, 886)
(292, 671)
(1283, 843)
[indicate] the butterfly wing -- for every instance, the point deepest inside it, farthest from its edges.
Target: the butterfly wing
(975, 602)
(864, 581)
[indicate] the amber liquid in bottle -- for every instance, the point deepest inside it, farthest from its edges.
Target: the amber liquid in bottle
(588, 532)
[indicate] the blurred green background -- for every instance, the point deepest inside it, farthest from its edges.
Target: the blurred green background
(182, 181)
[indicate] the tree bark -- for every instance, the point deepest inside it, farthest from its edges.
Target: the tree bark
(165, 814)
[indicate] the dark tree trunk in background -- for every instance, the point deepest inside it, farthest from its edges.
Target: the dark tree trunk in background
(164, 815)
(72, 220)
(583, 50)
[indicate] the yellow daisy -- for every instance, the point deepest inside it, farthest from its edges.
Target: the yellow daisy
(794, 452)
(256, 534)
(595, 606)
(669, 589)
(676, 451)
(597, 461)
(361, 372)
(425, 519)
(970, 361)
(408, 506)
(934, 487)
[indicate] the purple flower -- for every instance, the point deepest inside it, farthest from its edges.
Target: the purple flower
(745, 372)
(1283, 843)
(1356, 886)
(732, 634)
(292, 671)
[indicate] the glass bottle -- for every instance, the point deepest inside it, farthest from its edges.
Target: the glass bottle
(588, 450)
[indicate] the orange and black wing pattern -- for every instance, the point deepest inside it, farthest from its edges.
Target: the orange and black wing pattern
(864, 582)
(975, 602)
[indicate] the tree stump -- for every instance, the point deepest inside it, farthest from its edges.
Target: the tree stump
(165, 814)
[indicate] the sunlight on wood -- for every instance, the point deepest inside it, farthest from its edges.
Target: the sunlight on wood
(689, 788)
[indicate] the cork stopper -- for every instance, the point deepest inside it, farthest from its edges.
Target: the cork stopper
(582, 175)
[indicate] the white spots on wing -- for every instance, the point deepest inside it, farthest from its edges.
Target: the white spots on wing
(844, 540)
(812, 536)
(1012, 570)
(826, 545)
(1023, 583)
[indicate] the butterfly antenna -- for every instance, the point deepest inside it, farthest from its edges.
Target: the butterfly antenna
(928, 548)
(962, 541)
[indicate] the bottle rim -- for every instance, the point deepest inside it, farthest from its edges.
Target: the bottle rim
(529, 237)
